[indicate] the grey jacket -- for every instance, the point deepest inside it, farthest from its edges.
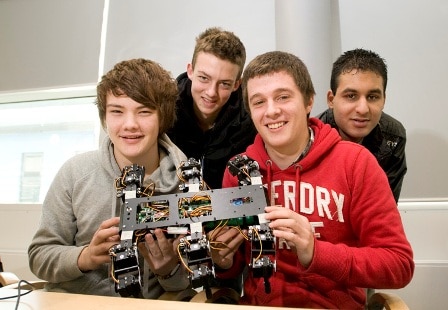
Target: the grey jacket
(82, 196)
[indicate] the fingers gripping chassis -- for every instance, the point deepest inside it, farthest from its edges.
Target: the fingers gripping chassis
(192, 213)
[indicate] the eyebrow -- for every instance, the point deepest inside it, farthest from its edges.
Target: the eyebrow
(208, 75)
(254, 96)
(352, 90)
(275, 92)
(113, 105)
(116, 105)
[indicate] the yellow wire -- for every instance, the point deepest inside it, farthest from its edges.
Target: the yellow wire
(261, 244)
(181, 258)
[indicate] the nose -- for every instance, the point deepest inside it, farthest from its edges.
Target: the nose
(272, 109)
(362, 106)
(212, 90)
(130, 121)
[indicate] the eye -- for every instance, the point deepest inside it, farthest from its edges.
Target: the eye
(226, 85)
(350, 96)
(373, 97)
(146, 112)
(202, 78)
(257, 102)
(283, 97)
(114, 111)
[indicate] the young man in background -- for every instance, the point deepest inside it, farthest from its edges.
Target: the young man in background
(212, 124)
(355, 108)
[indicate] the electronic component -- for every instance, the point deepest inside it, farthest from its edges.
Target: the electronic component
(190, 174)
(262, 261)
(246, 169)
(192, 212)
(262, 241)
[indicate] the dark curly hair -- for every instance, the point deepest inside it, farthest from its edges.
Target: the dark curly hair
(358, 59)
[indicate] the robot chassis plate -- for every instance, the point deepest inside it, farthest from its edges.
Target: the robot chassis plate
(193, 213)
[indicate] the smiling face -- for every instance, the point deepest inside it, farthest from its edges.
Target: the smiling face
(279, 113)
(213, 81)
(357, 104)
(133, 129)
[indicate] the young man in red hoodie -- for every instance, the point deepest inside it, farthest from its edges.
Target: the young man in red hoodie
(332, 212)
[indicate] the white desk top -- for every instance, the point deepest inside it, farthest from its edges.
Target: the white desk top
(41, 300)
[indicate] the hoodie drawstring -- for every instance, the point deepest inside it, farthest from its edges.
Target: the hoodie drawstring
(269, 177)
(298, 168)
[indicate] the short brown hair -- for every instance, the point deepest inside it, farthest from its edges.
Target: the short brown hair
(276, 61)
(145, 82)
(222, 44)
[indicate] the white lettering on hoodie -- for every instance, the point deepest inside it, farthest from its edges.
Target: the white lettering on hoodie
(312, 199)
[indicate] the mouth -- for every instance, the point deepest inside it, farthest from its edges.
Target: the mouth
(276, 125)
(208, 102)
(131, 137)
(360, 122)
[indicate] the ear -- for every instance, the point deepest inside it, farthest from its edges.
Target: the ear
(237, 84)
(309, 107)
(190, 71)
(330, 97)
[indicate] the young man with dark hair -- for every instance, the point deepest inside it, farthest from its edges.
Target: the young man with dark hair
(355, 108)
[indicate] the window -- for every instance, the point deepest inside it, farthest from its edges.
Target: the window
(38, 136)
(30, 180)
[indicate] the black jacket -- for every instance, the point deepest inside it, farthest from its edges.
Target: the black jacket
(387, 143)
(232, 133)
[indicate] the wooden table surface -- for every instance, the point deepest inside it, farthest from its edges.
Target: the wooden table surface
(41, 300)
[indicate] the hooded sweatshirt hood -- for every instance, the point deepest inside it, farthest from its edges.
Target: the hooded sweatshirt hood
(164, 177)
(344, 194)
(80, 198)
(325, 139)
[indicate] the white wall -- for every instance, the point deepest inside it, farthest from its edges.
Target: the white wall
(17, 227)
(49, 43)
(414, 45)
(165, 31)
(412, 37)
(426, 227)
(57, 43)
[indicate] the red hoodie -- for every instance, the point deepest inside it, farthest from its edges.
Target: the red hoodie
(359, 237)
